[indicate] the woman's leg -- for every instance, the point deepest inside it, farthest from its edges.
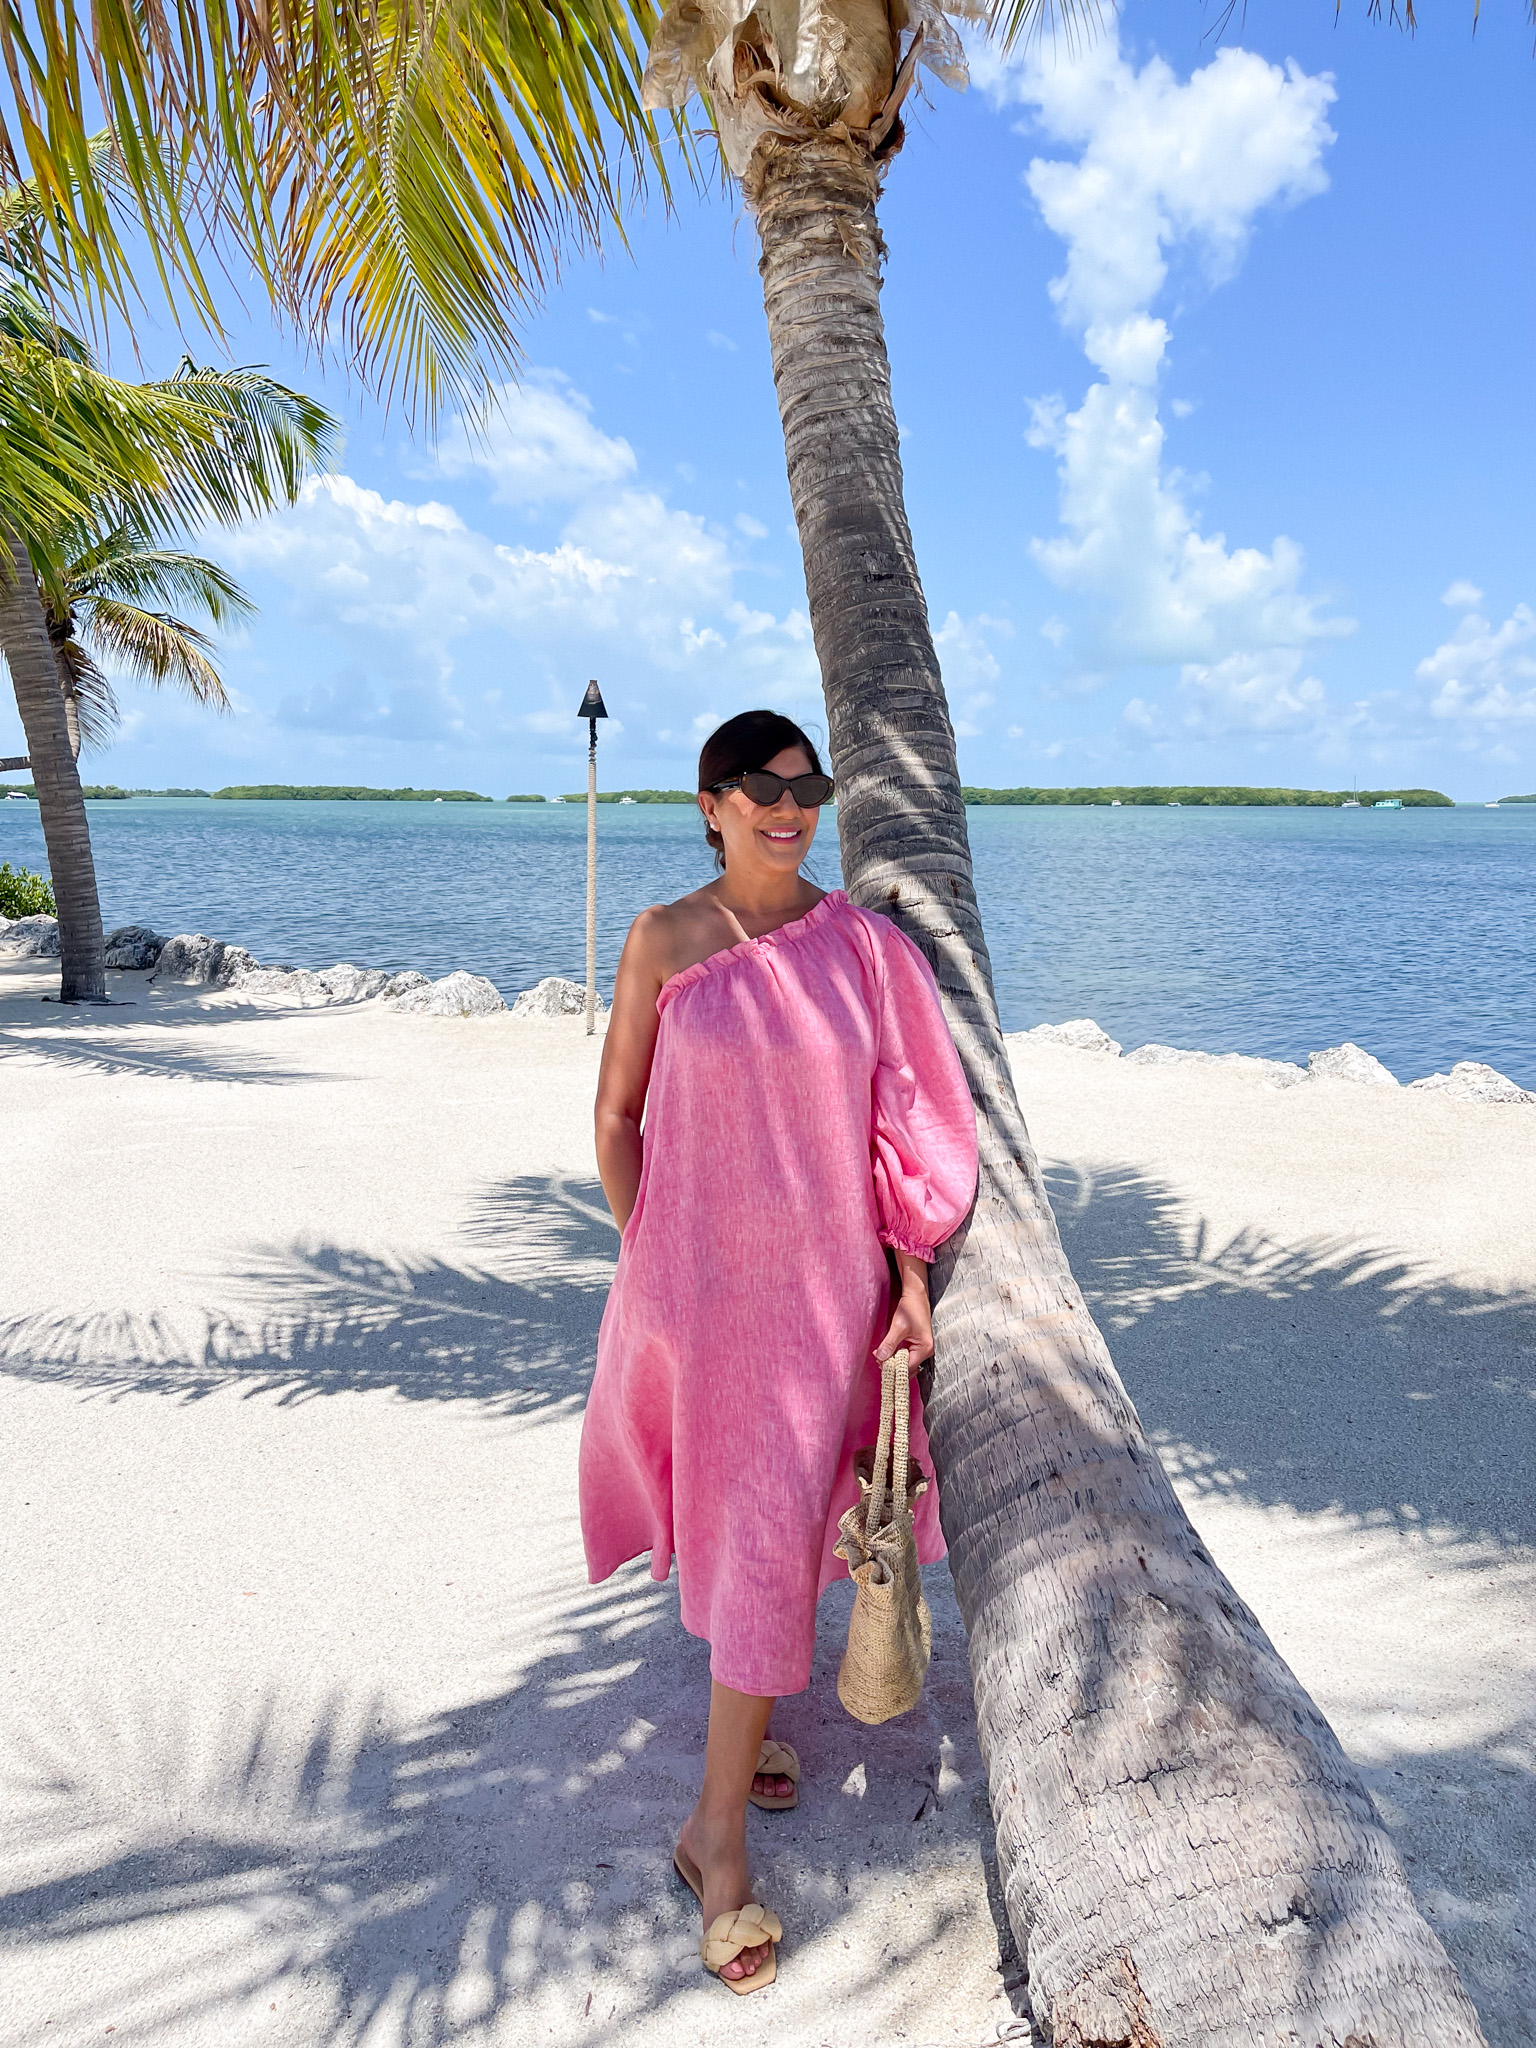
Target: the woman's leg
(715, 1833)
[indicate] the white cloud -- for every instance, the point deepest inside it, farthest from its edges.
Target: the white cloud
(1161, 165)
(1484, 675)
(754, 529)
(1461, 596)
(623, 583)
(969, 666)
(536, 443)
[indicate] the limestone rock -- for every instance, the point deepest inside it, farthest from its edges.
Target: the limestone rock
(299, 986)
(1276, 1073)
(402, 983)
(553, 997)
(1080, 1032)
(33, 938)
(456, 995)
(345, 983)
(1471, 1081)
(133, 945)
(235, 964)
(1351, 1062)
(190, 957)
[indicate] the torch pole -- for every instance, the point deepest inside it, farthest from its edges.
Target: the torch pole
(592, 877)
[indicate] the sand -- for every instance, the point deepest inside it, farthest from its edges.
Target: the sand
(311, 1730)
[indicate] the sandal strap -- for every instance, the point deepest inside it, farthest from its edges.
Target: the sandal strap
(748, 1927)
(777, 1760)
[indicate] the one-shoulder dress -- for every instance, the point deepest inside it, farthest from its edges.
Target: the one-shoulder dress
(806, 1109)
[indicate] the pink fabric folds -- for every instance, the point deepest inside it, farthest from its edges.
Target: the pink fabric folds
(806, 1108)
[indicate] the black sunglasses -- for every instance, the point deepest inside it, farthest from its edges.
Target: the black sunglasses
(762, 786)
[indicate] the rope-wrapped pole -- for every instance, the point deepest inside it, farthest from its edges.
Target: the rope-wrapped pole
(592, 877)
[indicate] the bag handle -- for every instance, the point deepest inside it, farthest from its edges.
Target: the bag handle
(895, 1423)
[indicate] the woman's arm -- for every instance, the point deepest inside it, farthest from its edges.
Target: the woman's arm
(912, 1321)
(625, 1073)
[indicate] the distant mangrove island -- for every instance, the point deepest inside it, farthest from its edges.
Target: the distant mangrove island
(296, 792)
(1196, 796)
(1193, 796)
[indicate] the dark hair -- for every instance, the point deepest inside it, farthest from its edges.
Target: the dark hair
(749, 740)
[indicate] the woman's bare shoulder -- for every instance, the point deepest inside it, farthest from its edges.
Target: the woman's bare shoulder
(667, 934)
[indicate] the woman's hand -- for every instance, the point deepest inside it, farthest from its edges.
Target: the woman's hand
(912, 1323)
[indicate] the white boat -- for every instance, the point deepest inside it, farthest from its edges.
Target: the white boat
(1115, 804)
(1490, 807)
(1351, 803)
(626, 799)
(557, 799)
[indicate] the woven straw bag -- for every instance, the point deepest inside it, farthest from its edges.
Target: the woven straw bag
(890, 1633)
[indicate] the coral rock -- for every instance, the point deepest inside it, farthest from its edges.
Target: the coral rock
(553, 997)
(133, 945)
(31, 937)
(456, 995)
(1471, 1081)
(1351, 1062)
(1080, 1032)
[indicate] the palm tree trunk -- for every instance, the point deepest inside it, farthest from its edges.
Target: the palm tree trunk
(1187, 1854)
(28, 652)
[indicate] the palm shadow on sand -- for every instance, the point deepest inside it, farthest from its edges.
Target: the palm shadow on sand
(422, 1881)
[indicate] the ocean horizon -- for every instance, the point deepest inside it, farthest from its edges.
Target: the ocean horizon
(1269, 931)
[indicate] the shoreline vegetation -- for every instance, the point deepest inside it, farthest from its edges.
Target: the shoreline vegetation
(1193, 796)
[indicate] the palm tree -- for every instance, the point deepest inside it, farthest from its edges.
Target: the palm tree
(114, 467)
(99, 618)
(1187, 1854)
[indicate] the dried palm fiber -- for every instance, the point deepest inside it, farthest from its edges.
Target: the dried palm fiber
(890, 1631)
(791, 69)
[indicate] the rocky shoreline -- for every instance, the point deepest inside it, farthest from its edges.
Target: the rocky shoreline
(192, 959)
(1468, 1080)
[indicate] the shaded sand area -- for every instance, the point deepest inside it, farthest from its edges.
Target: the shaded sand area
(311, 1731)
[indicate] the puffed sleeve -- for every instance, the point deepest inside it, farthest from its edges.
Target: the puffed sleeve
(924, 1138)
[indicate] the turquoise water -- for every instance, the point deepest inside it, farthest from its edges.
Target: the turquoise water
(1268, 931)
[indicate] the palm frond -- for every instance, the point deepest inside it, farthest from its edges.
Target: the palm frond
(404, 175)
(267, 439)
(96, 706)
(118, 567)
(154, 647)
(72, 438)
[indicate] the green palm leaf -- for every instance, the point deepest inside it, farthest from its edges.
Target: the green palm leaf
(154, 647)
(405, 175)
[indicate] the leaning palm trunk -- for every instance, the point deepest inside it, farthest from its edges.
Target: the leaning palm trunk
(1187, 1854)
(29, 654)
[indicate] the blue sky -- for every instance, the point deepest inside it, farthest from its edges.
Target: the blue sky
(1212, 365)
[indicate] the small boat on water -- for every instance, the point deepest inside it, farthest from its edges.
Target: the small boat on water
(1351, 803)
(1388, 803)
(626, 799)
(1491, 807)
(1115, 804)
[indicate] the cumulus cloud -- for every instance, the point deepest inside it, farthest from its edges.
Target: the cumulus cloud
(1484, 676)
(1160, 165)
(536, 442)
(449, 632)
(969, 667)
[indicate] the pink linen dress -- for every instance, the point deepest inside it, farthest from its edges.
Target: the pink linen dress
(806, 1109)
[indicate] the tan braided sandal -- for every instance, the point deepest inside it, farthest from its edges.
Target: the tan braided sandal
(777, 1760)
(749, 1926)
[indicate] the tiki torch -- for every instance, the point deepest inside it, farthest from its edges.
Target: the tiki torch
(592, 709)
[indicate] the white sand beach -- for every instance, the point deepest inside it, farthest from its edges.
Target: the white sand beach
(311, 1731)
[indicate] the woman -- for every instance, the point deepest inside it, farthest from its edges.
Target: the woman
(808, 1141)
